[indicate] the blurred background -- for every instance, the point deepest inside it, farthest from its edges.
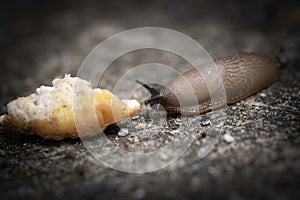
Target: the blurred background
(41, 40)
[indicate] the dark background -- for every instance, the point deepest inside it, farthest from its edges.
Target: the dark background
(49, 38)
(40, 40)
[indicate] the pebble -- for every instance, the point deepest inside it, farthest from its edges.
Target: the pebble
(177, 121)
(70, 153)
(135, 117)
(228, 138)
(123, 132)
(206, 122)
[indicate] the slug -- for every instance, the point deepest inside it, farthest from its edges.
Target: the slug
(243, 74)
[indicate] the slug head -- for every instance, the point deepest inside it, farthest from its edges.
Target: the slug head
(159, 95)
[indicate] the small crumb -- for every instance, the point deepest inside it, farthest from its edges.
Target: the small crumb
(123, 132)
(228, 138)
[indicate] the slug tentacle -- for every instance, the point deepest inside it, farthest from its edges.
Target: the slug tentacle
(154, 91)
(150, 89)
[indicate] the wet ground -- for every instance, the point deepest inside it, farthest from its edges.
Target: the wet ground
(257, 154)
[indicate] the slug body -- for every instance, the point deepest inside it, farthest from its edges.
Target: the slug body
(240, 75)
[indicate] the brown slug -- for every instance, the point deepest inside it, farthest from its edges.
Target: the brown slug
(243, 74)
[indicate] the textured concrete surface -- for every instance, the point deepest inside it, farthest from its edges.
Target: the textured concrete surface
(257, 155)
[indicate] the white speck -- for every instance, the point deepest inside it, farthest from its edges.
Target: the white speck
(263, 95)
(228, 138)
(135, 117)
(206, 122)
(123, 132)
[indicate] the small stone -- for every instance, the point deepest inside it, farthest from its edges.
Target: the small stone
(228, 138)
(135, 117)
(206, 122)
(70, 153)
(123, 132)
(177, 121)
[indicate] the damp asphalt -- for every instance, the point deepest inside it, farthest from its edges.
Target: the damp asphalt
(255, 152)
